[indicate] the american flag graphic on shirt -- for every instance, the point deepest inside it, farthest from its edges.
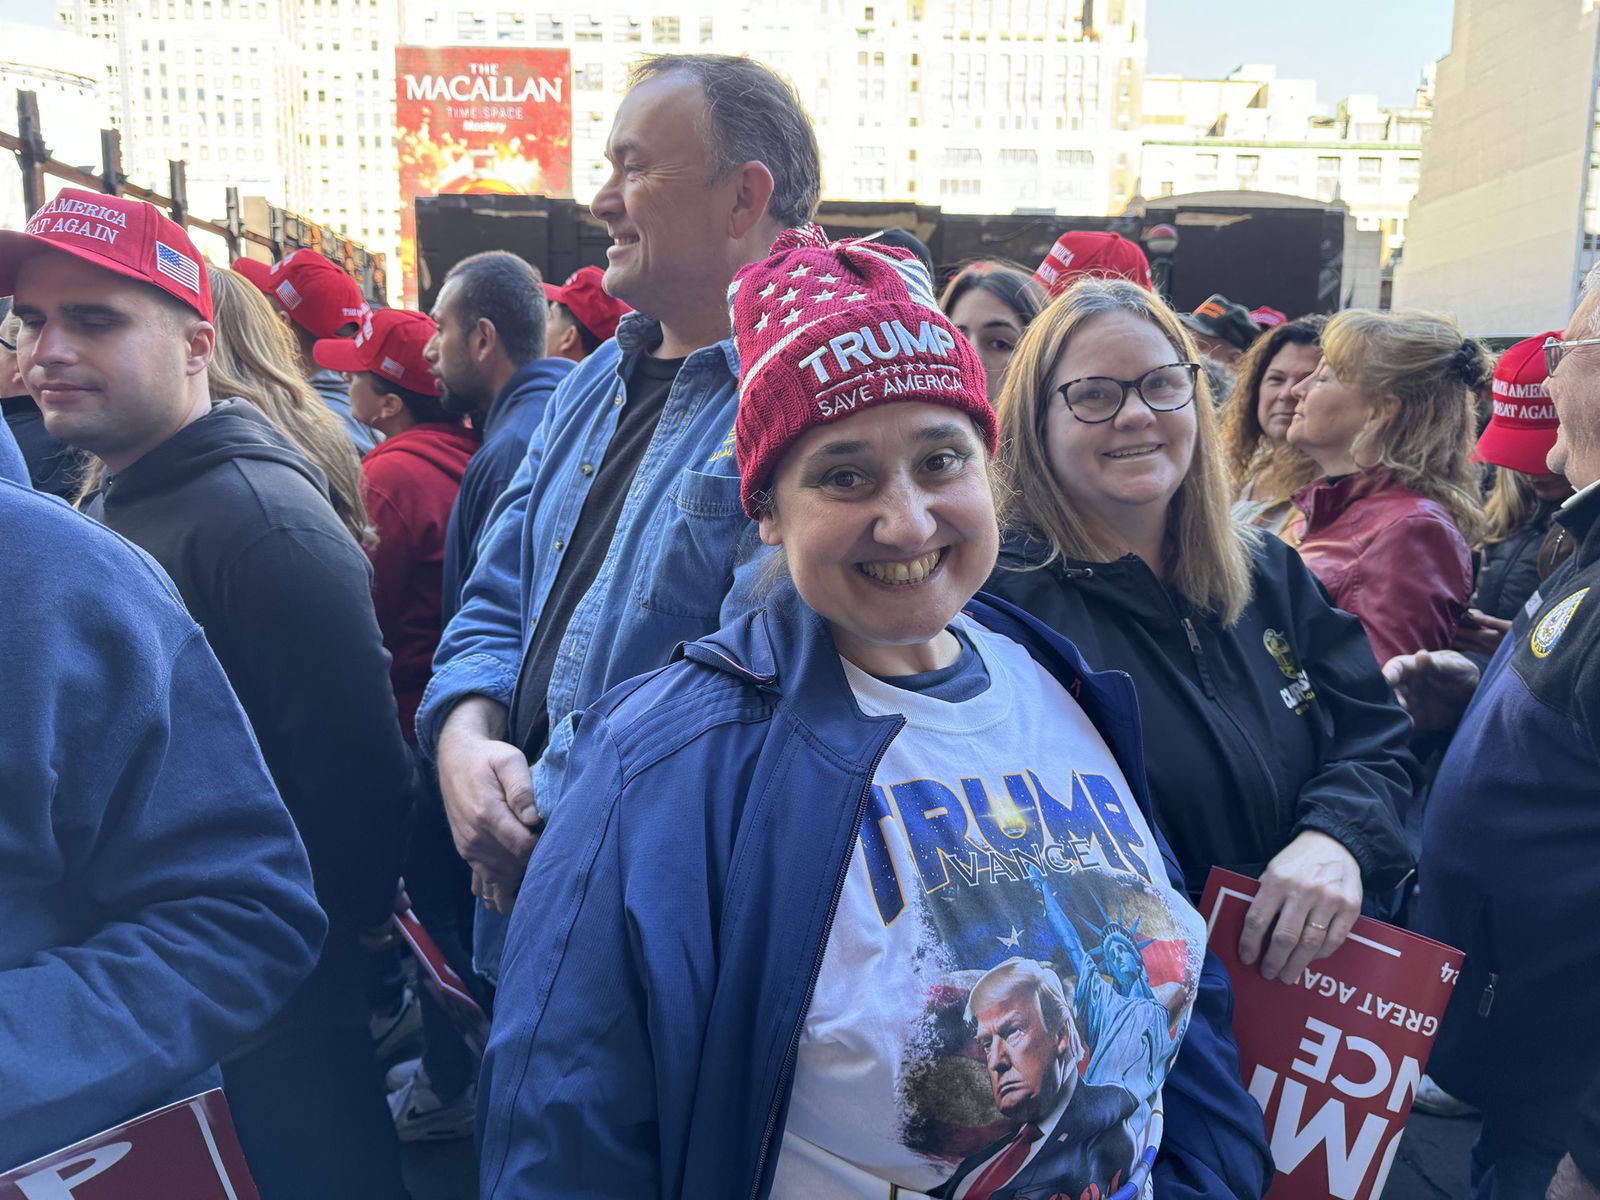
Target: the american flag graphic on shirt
(177, 265)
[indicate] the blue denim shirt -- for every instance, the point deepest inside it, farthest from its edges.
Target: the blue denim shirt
(682, 559)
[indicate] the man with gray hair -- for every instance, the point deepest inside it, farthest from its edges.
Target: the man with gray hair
(622, 532)
(1511, 838)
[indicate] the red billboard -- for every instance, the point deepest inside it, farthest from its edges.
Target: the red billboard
(470, 119)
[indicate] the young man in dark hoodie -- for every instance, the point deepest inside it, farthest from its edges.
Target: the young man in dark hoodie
(487, 357)
(115, 308)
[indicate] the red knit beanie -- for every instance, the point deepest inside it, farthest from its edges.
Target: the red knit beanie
(825, 330)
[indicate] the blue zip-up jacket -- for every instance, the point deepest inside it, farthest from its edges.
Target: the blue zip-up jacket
(507, 428)
(673, 921)
(156, 906)
(681, 560)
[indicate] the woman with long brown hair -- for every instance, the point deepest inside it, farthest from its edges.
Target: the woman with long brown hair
(1388, 418)
(1266, 470)
(1276, 748)
(255, 359)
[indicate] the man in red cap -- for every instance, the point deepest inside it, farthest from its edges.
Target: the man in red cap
(316, 300)
(1080, 252)
(115, 307)
(1517, 440)
(582, 315)
(409, 482)
(1511, 828)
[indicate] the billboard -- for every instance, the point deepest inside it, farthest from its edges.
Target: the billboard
(476, 120)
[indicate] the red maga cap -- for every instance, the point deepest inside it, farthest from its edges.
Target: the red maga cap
(309, 286)
(1081, 252)
(256, 271)
(389, 344)
(130, 237)
(588, 302)
(1523, 428)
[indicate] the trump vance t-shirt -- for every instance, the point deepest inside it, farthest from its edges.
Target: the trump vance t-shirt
(1009, 972)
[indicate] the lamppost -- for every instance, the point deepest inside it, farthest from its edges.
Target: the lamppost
(1161, 245)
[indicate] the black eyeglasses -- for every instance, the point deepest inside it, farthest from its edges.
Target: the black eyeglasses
(1096, 399)
(9, 345)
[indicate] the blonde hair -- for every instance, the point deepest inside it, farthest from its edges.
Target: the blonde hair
(1207, 552)
(1436, 375)
(1511, 504)
(256, 358)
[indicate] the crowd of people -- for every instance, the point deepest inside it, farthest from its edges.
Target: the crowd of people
(804, 706)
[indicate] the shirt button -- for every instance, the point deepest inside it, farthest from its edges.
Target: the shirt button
(559, 544)
(587, 468)
(617, 402)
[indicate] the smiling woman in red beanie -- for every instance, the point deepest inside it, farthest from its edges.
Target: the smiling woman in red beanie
(861, 895)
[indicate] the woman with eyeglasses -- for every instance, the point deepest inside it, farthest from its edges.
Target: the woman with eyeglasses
(1388, 416)
(1273, 745)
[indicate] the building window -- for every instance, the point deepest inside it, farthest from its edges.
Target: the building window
(665, 31)
(590, 78)
(1369, 171)
(509, 27)
(587, 29)
(548, 28)
(706, 28)
(1410, 170)
(628, 30)
(1019, 158)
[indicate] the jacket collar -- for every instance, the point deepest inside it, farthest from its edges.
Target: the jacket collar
(1325, 499)
(542, 374)
(1580, 516)
(638, 332)
(786, 650)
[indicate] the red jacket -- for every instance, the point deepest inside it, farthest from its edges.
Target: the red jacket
(409, 482)
(1393, 558)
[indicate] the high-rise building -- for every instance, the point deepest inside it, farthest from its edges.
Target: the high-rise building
(974, 105)
(68, 76)
(289, 99)
(1253, 131)
(1506, 221)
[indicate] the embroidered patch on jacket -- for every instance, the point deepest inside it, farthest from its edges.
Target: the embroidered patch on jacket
(1549, 630)
(1298, 696)
(725, 450)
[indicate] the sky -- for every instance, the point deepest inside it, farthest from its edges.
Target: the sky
(1375, 47)
(1356, 46)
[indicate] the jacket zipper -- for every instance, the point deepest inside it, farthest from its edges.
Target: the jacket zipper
(1199, 657)
(816, 971)
(1486, 1000)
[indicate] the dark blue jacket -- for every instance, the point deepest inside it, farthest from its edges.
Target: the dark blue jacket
(155, 902)
(512, 418)
(1510, 865)
(691, 866)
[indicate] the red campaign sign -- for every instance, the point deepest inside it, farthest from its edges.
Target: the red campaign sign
(1334, 1059)
(187, 1150)
(469, 119)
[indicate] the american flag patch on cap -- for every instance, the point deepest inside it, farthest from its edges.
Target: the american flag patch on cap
(176, 265)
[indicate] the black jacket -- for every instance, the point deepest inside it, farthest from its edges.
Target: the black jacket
(53, 466)
(243, 525)
(1254, 733)
(1509, 571)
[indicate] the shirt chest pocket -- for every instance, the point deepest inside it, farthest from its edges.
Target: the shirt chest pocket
(690, 553)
